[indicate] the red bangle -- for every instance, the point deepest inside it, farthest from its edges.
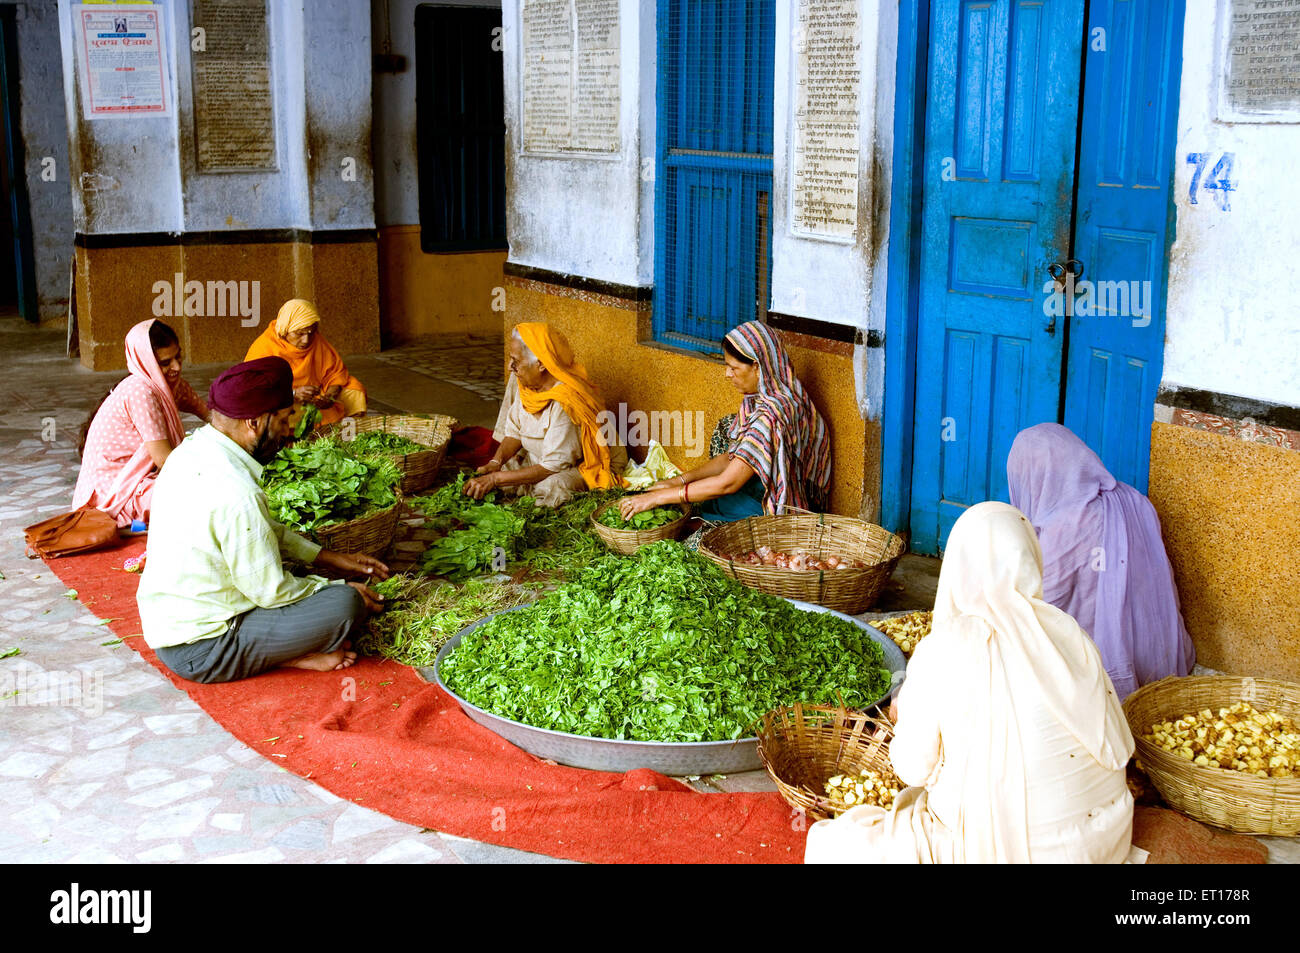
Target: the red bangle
(686, 492)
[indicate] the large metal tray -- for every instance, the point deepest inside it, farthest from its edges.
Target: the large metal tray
(675, 759)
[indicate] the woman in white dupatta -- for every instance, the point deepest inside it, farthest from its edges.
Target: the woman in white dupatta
(1010, 735)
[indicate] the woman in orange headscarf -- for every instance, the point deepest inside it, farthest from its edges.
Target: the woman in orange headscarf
(549, 432)
(319, 374)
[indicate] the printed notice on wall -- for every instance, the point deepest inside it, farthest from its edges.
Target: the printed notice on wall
(1260, 81)
(234, 117)
(570, 76)
(120, 61)
(824, 164)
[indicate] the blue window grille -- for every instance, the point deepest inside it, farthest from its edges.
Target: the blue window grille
(460, 129)
(713, 175)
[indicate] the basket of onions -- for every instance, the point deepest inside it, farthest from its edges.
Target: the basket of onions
(834, 561)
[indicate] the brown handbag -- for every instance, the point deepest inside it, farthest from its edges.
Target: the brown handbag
(76, 532)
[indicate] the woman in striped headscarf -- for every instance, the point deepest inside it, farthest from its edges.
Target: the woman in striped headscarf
(779, 452)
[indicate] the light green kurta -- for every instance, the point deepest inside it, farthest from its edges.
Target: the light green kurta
(213, 551)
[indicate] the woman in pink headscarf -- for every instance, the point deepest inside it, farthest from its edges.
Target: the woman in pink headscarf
(1104, 561)
(128, 437)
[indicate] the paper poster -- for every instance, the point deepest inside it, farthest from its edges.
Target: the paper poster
(824, 166)
(120, 61)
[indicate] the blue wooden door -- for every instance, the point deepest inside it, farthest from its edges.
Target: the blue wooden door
(1123, 227)
(1000, 140)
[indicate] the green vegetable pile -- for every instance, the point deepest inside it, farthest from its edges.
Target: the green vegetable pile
(548, 540)
(646, 519)
(378, 441)
(317, 483)
(661, 646)
(420, 615)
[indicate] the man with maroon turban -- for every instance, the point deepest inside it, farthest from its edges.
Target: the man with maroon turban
(216, 602)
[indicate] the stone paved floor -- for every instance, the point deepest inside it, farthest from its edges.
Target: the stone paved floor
(102, 759)
(475, 363)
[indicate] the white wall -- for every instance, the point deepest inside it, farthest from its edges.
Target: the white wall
(828, 280)
(125, 172)
(1232, 322)
(140, 175)
(585, 216)
(837, 282)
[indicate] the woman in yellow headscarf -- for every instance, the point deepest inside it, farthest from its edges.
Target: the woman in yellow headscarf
(319, 374)
(548, 429)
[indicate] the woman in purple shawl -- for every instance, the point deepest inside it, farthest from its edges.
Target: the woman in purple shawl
(1103, 559)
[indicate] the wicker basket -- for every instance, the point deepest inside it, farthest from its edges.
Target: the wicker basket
(1230, 799)
(847, 590)
(371, 534)
(419, 469)
(628, 541)
(803, 745)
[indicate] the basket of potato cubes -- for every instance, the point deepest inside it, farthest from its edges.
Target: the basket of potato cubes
(1222, 749)
(826, 759)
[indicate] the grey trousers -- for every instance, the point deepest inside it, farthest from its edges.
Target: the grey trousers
(263, 639)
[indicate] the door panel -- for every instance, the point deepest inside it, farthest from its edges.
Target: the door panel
(1126, 151)
(999, 171)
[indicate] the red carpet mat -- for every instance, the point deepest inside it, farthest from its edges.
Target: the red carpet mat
(379, 736)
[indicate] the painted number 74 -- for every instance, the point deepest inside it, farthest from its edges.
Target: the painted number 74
(1219, 180)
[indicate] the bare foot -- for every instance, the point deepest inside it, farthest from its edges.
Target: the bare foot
(323, 661)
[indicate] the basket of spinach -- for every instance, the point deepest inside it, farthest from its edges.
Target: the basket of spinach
(648, 526)
(342, 500)
(417, 445)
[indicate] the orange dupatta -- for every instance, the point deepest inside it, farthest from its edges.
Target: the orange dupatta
(575, 393)
(319, 365)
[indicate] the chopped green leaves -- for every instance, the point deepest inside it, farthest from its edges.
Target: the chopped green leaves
(661, 646)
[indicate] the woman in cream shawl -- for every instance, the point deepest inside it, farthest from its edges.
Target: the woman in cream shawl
(319, 375)
(1010, 735)
(548, 429)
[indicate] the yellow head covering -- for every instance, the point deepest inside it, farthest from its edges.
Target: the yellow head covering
(575, 393)
(296, 314)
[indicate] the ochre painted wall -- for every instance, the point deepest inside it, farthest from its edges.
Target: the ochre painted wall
(115, 290)
(1230, 512)
(611, 337)
(436, 294)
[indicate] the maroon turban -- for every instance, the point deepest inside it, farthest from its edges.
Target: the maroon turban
(254, 388)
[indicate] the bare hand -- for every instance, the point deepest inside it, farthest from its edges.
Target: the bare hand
(352, 564)
(629, 506)
(664, 485)
(480, 486)
(305, 395)
(492, 466)
(374, 601)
